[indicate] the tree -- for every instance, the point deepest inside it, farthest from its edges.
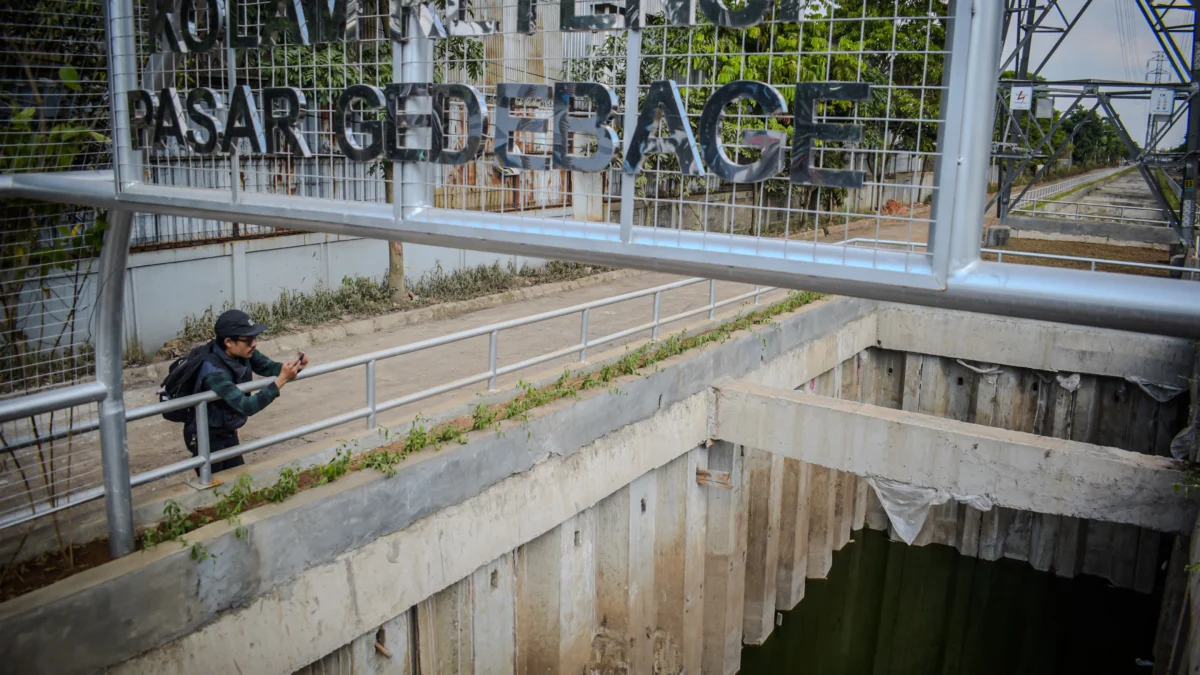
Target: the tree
(1096, 140)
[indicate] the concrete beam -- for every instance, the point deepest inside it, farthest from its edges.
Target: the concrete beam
(1091, 231)
(1017, 470)
(1040, 345)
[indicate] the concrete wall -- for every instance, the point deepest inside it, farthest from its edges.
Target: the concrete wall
(254, 270)
(603, 535)
(1103, 410)
(1122, 234)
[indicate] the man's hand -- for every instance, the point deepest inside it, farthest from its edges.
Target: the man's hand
(301, 361)
(288, 371)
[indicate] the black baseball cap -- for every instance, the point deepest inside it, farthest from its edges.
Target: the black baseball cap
(236, 323)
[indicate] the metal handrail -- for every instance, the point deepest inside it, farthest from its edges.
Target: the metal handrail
(369, 412)
(54, 399)
(1038, 193)
(999, 253)
(1074, 212)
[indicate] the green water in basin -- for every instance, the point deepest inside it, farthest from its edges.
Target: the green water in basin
(888, 608)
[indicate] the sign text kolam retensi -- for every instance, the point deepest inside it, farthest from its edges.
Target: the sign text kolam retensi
(274, 128)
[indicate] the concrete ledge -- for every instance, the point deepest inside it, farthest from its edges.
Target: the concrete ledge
(152, 598)
(148, 509)
(1017, 470)
(1035, 344)
(153, 373)
(1092, 230)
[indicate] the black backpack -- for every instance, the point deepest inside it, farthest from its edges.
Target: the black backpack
(181, 381)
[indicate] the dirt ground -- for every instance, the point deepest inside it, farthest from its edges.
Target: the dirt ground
(1086, 250)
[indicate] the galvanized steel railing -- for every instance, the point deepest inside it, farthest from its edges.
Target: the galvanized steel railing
(93, 391)
(1001, 254)
(1074, 211)
(1046, 190)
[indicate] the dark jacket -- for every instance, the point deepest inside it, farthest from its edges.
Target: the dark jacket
(221, 373)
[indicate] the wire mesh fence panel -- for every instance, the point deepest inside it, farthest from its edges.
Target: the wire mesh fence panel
(54, 116)
(895, 49)
(293, 81)
(520, 114)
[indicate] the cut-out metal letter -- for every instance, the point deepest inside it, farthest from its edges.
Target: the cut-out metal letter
(374, 99)
(215, 10)
(333, 20)
(663, 101)
(507, 125)
(142, 105)
(770, 142)
(461, 24)
(170, 123)
(805, 130)
(243, 121)
(207, 121)
(281, 120)
(163, 22)
(400, 123)
(754, 13)
(565, 126)
(570, 21)
(477, 122)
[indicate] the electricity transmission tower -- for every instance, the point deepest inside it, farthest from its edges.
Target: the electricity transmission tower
(1156, 69)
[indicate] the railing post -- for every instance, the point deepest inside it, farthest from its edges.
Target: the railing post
(654, 331)
(1093, 265)
(757, 292)
(583, 336)
(493, 339)
(371, 393)
(712, 298)
(203, 447)
(110, 348)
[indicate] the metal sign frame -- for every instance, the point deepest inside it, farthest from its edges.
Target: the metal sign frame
(950, 274)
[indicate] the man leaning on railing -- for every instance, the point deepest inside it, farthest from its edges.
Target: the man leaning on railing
(228, 361)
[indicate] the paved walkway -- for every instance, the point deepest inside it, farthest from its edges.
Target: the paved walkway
(155, 442)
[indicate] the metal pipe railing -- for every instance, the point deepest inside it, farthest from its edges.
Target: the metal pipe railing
(1074, 211)
(1000, 253)
(1062, 186)
(204, 459)
(49, 401)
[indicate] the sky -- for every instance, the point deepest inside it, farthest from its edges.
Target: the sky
(1110, 42)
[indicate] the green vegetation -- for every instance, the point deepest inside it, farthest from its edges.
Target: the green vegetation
(888, 49)
(1164, 184)
(242, 496)
(360, 296)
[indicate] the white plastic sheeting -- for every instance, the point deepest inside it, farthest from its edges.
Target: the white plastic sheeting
(907, 506)
(1159, 392)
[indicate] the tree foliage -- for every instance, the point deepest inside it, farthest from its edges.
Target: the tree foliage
(53, 117)
(895, 45)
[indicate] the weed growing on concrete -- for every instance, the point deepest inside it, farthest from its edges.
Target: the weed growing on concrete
(336, 468)
(287, 485)
(242, 497)
(418, 436)
(383, 461)
(175, 524)
(447, 433)
(230, 504)
(482, 417)
(200, 553)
